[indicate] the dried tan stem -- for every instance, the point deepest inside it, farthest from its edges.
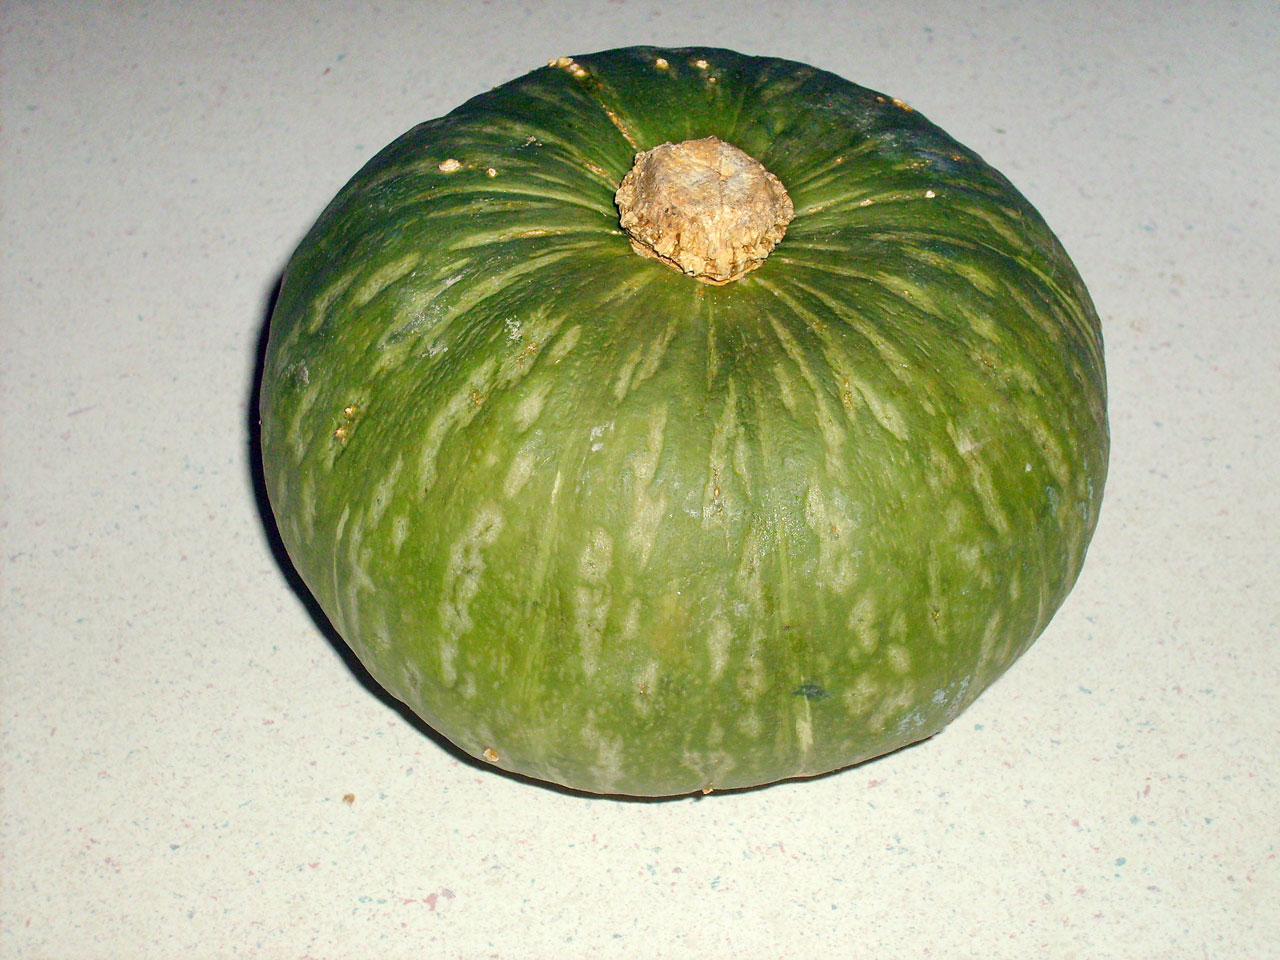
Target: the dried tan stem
(703, 207)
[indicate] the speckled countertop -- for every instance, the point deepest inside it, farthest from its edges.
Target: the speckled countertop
(193, 767)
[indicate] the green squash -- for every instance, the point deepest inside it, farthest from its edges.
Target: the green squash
(607, 522)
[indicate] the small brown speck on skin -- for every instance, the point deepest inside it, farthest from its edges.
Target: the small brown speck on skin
(348, 798)
(490, 754)
(661, 63)
(492, 172)
(342, 433)
(701, 64)
(450, 165)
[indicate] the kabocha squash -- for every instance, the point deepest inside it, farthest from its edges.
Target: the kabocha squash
(678, 420)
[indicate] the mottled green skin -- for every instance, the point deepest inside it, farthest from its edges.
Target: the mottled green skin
(605, 525)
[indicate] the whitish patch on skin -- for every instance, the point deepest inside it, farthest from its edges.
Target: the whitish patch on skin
(884, 411)
(631, 622)
(307, 507)
(377, 637)
(719, 637)
(530, 406)
(717, 502)
(642, 363)
(321, 305)
(399, 531)
(785, 392)
(607, 772)
(383, 277)
(1050, 449)
(339, 615)
(990, 633)
(519, 472)
(888, 706)
(567, 341)
(298, 440)
(969, 449)
(981, 323)
(382, 491)
(825, 412)
(748, 581)
(899, 658)
(411, 675)
(804, 727)
(937, 601)
(462, 580)
(654, 354)
(358, 559)
(591, 598)
(459, 410)
(623, 384)
(861, 697)
(833, 523)
(646, 511)
(644, 686)
(358, 556)
(862, 616)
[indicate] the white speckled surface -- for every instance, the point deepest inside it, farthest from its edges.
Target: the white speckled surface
(178, 733)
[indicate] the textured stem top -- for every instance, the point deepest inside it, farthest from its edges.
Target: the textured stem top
(704, 207)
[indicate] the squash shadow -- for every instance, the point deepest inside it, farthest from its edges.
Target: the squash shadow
(271, 532)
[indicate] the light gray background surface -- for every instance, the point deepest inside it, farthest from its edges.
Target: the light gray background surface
(178, 733)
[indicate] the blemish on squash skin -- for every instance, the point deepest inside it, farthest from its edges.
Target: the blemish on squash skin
(343, 432)
(450, 166)
(811, 691)
(570, 65)
(490, 754)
